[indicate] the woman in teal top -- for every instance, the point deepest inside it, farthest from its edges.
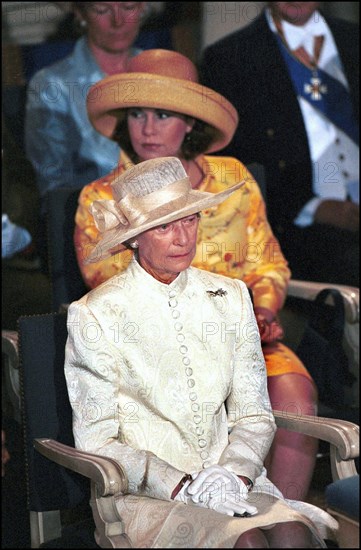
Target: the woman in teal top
(63, 147)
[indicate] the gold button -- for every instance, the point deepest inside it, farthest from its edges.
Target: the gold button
(270, 132)
(281, 164)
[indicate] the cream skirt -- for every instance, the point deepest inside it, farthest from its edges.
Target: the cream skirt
(152, 523)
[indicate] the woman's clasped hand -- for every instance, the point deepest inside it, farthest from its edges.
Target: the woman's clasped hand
(218, 489)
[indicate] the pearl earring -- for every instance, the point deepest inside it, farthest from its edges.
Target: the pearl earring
(83, 24)
(134, 244)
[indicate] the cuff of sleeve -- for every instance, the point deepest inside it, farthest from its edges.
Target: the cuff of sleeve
(306, 216)
(178, 487)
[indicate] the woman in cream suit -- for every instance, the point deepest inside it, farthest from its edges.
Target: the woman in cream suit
(166, 375)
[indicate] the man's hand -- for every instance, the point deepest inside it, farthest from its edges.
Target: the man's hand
(341, 214)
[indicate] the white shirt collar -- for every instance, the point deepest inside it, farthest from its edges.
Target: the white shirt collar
(303, 36)
(297, 36)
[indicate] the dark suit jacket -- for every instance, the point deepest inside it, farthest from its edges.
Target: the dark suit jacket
(248, 69)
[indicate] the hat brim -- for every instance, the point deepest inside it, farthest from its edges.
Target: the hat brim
(197, 201)
(107, 97)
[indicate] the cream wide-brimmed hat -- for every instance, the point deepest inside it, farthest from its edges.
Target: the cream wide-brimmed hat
(149, 194)
(161, 79)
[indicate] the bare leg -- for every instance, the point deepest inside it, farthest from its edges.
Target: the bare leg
(289, 535)
(254, 538)
(283, 535)
(291, 460)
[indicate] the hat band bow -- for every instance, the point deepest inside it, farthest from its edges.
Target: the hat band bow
(109, 214)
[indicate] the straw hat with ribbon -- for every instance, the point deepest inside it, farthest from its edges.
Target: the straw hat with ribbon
(151, 193)
(161, 79)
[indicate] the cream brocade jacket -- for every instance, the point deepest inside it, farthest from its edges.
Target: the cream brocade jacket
(168, 379)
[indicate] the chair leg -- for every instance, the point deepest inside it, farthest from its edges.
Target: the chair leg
(44, 526)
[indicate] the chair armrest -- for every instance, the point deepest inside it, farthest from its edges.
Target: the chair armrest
(108, 482)
(10, 353)
(342, 435)
(308, 290)
(10, 341)
(105, 472)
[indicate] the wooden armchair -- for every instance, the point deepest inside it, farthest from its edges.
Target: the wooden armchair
(108, 481)
(58, 474)
(294, 317)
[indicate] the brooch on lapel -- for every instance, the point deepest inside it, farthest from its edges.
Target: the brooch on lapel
(219, 292)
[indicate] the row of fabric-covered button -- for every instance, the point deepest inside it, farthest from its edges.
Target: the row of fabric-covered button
(195, 407)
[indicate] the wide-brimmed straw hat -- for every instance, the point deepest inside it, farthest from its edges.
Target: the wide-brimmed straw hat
(151, 193)
(161, 79)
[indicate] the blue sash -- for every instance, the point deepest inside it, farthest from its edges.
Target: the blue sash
(333, 99)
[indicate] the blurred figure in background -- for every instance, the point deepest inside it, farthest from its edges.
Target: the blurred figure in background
(15, 238)
(293, 77)
(25, 289)
(61, 144)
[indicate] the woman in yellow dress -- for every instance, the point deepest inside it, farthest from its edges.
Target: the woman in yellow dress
(159, 109)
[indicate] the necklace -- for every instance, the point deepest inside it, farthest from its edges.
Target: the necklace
(315, 87)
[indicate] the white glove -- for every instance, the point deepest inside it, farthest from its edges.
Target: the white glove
(220, 490)
(185, 497)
